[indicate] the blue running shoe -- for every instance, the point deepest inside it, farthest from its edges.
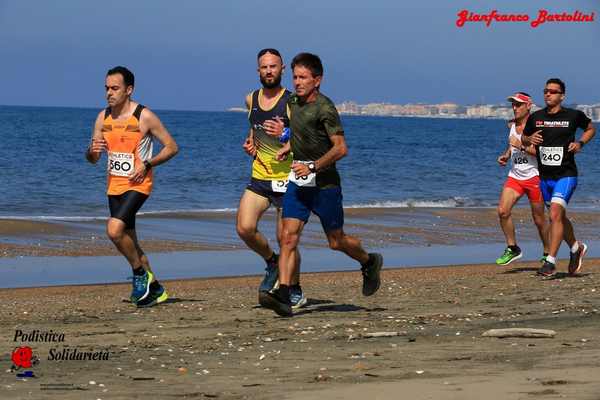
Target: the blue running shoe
(271, 276)
(297, 297)
(141, 286)
(154, 297)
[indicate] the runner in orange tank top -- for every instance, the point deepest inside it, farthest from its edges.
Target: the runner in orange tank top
(124, 130)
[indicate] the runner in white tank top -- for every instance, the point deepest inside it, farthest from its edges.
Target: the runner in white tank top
(524, 164)
(523, 178)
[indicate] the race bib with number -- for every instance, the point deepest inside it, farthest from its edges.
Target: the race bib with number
(309, 181)
(551, 156)
(120, 164)
(279, 186)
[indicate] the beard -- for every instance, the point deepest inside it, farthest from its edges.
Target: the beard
(271, 85)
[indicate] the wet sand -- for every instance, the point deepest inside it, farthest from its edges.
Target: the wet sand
(212, 341)
(376, 227)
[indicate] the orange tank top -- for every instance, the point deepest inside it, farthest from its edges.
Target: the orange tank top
(127, 148)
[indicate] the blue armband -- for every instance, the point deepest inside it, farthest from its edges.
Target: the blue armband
(285, 136)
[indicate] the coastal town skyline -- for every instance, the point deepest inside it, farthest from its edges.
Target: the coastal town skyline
(443, 110)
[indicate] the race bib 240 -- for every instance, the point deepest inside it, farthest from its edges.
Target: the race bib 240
(551, 156)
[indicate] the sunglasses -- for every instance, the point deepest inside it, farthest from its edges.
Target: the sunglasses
(552, 91)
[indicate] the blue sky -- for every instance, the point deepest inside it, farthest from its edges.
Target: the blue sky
(200, 55)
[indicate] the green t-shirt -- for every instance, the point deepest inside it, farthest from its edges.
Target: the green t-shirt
(312, 124)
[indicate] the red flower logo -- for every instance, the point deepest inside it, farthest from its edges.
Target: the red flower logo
(21, 357)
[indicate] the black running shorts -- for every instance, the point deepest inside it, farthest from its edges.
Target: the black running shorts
(265, 189)
(125, 206)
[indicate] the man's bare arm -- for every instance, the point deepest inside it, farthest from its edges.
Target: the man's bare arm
(98, 145)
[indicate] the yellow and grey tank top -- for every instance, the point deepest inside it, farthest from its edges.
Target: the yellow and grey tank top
(265, 166)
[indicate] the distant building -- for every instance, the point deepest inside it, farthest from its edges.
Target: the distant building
(445, 110)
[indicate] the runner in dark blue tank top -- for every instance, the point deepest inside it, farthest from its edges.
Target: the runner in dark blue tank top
(267, 113)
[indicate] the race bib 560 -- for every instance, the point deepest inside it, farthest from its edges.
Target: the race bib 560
(120, 164)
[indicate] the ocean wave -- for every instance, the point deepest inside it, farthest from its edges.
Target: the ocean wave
(453, 202)
(76, 218)
(88, 218)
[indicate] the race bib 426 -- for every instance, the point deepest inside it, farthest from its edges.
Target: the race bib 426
(120, 164)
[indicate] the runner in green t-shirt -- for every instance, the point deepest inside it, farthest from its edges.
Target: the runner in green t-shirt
(317, 142)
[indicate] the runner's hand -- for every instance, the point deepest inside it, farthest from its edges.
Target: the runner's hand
(536, 139)
(300, 170)
(282, 154)
(503, 159)
(248, 147)
(274, 127)
(98, 146)
(139, 174)
(574, 147)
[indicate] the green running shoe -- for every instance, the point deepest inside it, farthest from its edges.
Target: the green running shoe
(154, 297)
(141, 286)
(508, 257)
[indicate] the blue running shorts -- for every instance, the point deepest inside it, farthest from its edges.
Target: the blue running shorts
(299, 202)
(558, 191)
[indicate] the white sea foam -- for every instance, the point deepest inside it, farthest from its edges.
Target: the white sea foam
(411, 203)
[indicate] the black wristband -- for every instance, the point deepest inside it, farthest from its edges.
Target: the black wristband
(581, 143)
(147, 165)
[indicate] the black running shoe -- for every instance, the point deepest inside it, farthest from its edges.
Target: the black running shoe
(275, 301)
(577, 259)
(371, 274)
(548, 269)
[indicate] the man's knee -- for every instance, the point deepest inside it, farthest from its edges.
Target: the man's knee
(538, 220)
(246, 231)
(557, 213)
(289, 239)
(337, 241)
(504, 212)
(115, 230)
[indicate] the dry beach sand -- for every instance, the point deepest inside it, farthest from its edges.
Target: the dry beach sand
(212, 341)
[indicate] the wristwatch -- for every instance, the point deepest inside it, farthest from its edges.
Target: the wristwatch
(147, 165)
(581, 143)
(311, 167)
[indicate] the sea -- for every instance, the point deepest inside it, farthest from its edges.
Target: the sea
(392, 162)
(406, 167)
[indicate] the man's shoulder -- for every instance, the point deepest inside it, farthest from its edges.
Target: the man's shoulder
(536, 114)
(572, 111)
(321, 98)
(325, 104)
(103, 113)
